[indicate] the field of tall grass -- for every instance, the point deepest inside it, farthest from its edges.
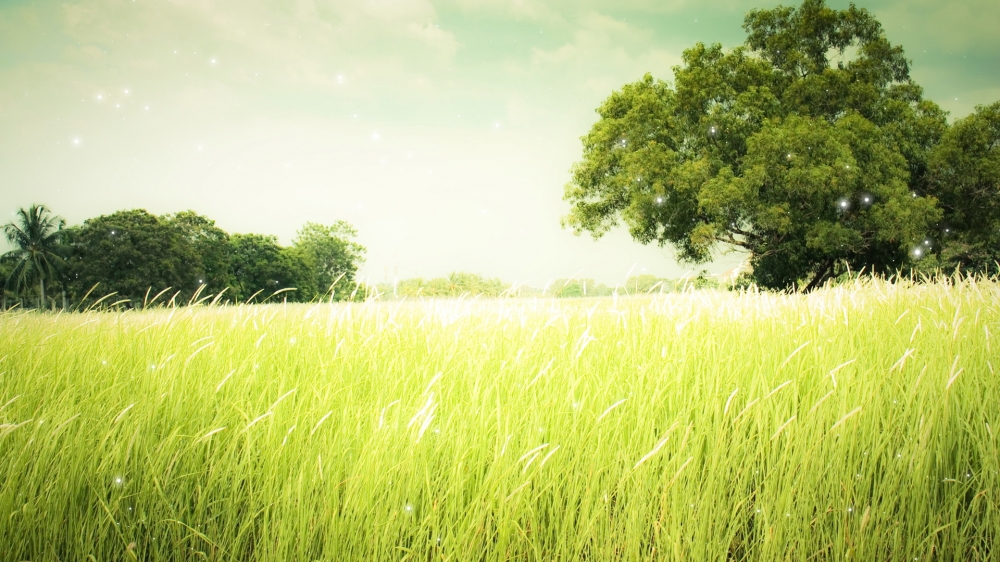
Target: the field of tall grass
(857, 422)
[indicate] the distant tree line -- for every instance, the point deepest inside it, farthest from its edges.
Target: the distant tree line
(461, 284)
(454, 285)
(141, 259)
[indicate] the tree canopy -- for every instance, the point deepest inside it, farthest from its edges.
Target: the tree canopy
(332, 256)
(965, 176)
(260, 267)
(134, 254)
(211, 245)
(807, 147)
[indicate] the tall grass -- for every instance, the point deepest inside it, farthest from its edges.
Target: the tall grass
(858, 422)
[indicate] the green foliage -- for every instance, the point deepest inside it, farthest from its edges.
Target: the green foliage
(134, 254)
(965, 177)
(144, 259)
(332, 256)
(260, 267)
(456, 284)
(6, 268)
(39, 251)
(858, 422)
(810, 167)
(646, 283)
(573, 288)
(211, 245)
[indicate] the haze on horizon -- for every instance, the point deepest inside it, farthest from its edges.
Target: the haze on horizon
(442, 130)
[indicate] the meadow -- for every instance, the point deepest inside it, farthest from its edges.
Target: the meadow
(856, 422)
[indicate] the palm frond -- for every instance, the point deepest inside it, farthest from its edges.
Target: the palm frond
(37, 237)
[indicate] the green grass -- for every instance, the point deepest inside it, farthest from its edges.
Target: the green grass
(858, 422)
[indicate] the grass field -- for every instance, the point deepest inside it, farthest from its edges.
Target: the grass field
(858, 422)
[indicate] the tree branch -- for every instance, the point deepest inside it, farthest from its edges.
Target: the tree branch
(821, 276)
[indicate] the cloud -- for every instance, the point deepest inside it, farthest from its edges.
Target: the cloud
(603, 52)
(311, 43)
(954, 26)
(560, 10)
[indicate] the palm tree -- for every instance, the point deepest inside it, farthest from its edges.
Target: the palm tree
(37, 241)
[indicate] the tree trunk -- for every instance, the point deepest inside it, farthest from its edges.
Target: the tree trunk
(64, 297)
(41, 294)
(820, 277)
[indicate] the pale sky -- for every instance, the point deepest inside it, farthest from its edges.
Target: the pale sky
(444, 131)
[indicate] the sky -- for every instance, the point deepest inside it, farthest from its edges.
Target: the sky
(443, 131)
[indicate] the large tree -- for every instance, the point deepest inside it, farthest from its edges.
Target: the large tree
(134, 254)
(812, 166)
(37, 257)
(333, 257)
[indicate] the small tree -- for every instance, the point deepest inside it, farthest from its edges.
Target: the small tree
(260, 266)
(38, 249)
(333, 256)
